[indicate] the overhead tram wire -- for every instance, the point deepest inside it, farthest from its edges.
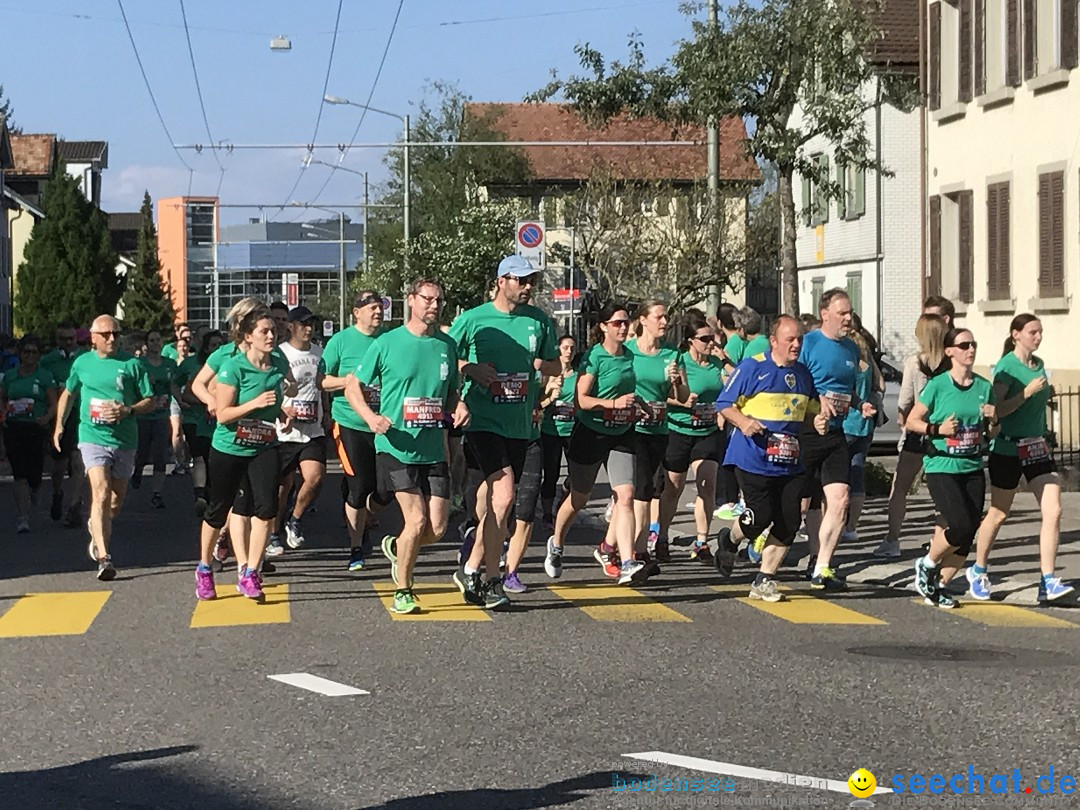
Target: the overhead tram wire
(322, 103)
(150, 90)
(371, 93)
(198, 91)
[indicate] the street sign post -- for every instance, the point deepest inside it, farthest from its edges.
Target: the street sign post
(566, 301)
(529, 237)
(327, 328)
(387, 308)
(292, 289)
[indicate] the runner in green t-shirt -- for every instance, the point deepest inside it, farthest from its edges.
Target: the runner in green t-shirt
(500, 346)
(956, 411)
(198, 426)
(558, 404)
(154, 429)
(1022, 390)
(28, 403)
(244, 461)
(111, 388)
(66, 464)
(696, 441)
(607, 408)
(659, 382)
(354, 439)
(415, 369)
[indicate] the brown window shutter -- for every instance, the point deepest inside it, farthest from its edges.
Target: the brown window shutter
(934, 282)
(1031, 39)
(979, 52)
(933, 69)
(1012, 44)
(963, 81)
(967, 259)
(1051, 235)
(993, 243)
(1069, 34)
(1003, 259)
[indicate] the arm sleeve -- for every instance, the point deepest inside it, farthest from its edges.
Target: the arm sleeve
(72, 383)
(459, 333)
(736, 386)
(331, 357)
(370, 368)
(144, 389)
(549, 350)
(229, 374)
(906, 397)
(926, 396)
(453, 379)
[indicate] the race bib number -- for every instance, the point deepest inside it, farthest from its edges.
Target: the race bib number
(780, 448)
(562, 411)
(423, 412)
(967, 441)
(373, 396)
(21, 407)
(703, 415)
(656, 418)
(619, 417)
(841, 403)
(510, 388)
(1032, 451)
(254, 433)
(97, 416)
(307, 410)
(161, 402)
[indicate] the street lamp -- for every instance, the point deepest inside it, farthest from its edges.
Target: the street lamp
(404, 120)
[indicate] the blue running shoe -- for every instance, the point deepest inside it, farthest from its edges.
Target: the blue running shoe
(978, 585)
(1053, 590)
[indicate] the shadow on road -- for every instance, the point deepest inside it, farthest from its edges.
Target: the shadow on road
(555, 794)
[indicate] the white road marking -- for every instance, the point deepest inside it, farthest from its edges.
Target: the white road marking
(745, 772)
(313, 683)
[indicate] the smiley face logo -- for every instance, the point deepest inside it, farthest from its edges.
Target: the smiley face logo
(861, 783)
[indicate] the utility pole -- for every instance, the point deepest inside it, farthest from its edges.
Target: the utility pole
(367, 262)
(341, 271)
(713, 140)
(407, 213)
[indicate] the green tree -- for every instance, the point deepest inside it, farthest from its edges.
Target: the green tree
(761, 60)
(147, 299)
(7, 112)
(443, 199)
(69, 271)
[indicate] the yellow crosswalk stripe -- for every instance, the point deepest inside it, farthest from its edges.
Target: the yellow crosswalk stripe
(614, 603)
(996, 614)
(53, 614)
(438, 603)
(803, 608)
(231, 609)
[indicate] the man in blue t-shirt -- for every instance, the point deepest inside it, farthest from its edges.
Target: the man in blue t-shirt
(832, 359)
(769, 399)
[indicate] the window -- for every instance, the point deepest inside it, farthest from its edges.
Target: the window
(815, 205)
(854, 291)
(951, 246)
(945, 54)
(817, 287)
(997, 247)
(934, 58)
(1052, 235)
(1049, 36)
(990, 58)
(852, 181)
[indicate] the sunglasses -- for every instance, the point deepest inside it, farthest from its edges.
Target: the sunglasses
(964, 345)
(533, 280)
(619, 322)
(108, 334)
(705, 338)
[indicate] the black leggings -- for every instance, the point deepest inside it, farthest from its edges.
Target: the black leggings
(356, 452)
(25, 443)
(959, 499)
(246, 484)
(554, 447)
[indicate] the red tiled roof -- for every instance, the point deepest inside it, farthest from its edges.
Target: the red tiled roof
(898, 46)
(33, 155)
(558, 122)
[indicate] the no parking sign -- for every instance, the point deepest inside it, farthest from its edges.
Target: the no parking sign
(530, 242)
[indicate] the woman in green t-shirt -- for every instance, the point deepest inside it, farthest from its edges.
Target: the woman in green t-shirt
(28, 397)
(1022, 389)
(604, 434)
(198, 425)
(244, 449)
(955, 411)
(558, 423)
(695, 441)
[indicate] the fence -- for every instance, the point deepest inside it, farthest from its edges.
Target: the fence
(1063, 423)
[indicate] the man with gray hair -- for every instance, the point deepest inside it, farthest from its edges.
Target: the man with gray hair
(112, 387)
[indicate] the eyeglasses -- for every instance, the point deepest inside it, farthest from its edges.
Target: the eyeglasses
(431, 299)
(108, 334)
(964, 345)
(705, 338)
(619, 322)
(534, 279)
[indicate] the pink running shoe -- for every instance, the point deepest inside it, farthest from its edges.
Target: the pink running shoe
(204, 584)
(250, 585)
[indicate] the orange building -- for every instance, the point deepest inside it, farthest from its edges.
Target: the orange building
(187, 233)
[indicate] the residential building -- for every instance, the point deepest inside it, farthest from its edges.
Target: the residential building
(867, 239)
(209, 267)
(33, 158)
(84, 160)
(557, 173)
(1003, 153)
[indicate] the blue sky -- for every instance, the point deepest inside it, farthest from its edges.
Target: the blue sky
(68, 67)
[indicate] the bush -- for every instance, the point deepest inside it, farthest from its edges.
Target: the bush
(878, 480)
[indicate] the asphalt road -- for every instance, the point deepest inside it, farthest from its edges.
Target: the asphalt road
(134, 707)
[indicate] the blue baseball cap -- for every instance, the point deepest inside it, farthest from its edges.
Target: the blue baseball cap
(516, 266)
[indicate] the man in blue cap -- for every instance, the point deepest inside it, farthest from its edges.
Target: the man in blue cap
(504, 346)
